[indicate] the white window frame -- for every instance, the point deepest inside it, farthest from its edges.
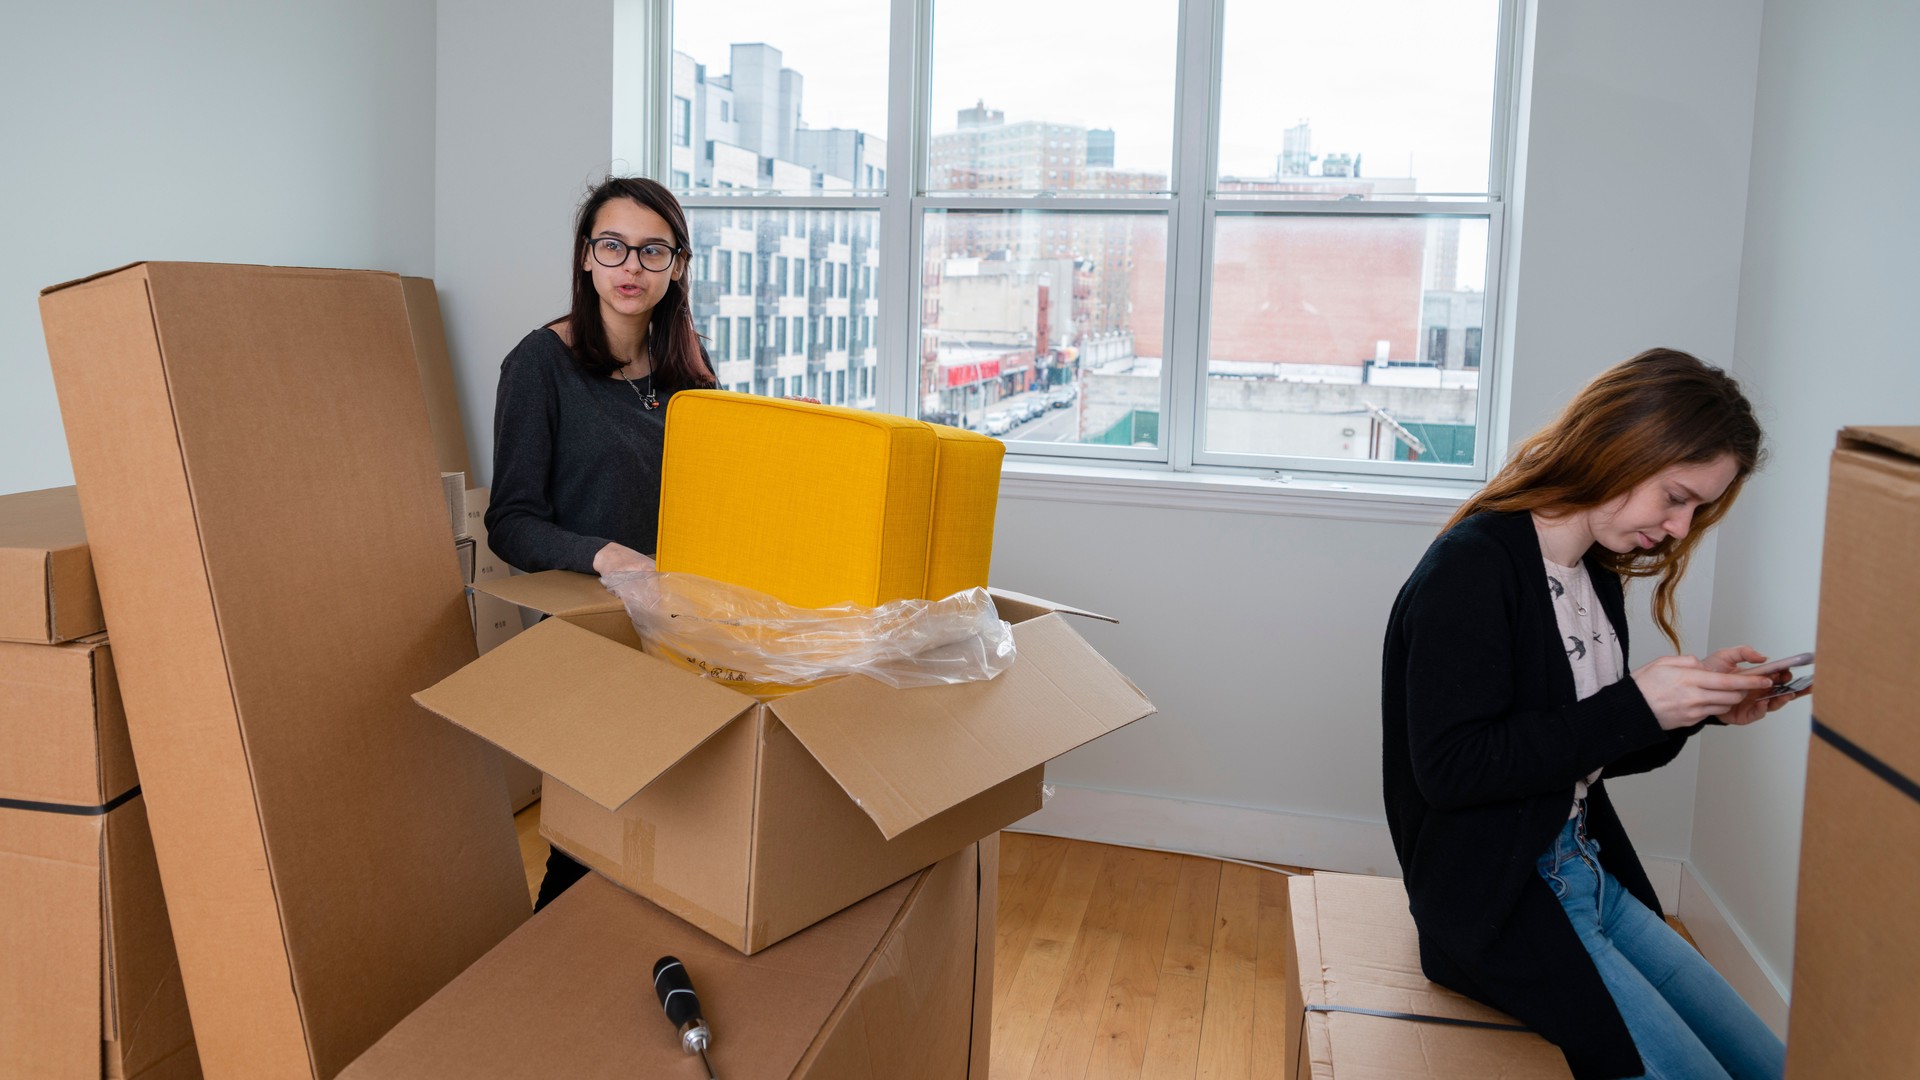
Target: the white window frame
(1192, 210)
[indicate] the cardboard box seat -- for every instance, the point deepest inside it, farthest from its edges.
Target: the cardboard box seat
(883, 990)
(753, 820)
(88, 974)
(47, 591)
(1355, 954)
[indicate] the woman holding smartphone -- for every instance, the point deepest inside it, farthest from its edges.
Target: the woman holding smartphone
(1507, 701)
(580, 416)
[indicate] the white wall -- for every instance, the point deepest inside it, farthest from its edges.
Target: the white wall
(211, 131)
(525, 129)
(1825, 340)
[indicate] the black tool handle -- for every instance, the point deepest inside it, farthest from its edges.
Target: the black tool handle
(675, 987)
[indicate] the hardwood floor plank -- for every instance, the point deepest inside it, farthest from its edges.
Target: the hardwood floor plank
(1068, 1041)
(1120, 1038)
(1226, 1034)
(1021, 899)
(1020, 1017)
(1173, 1036)
(1190, 937)
(1273, 1032)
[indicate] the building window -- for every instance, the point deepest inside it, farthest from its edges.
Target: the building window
(1348, 258)
(682, 122)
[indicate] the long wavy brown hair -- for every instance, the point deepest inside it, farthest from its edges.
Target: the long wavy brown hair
(673, 344)
(1659, 409)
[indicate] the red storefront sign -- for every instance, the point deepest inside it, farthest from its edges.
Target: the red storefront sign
(968, 374)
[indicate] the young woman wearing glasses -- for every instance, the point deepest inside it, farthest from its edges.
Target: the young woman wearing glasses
(1507, 702)
(580, 413)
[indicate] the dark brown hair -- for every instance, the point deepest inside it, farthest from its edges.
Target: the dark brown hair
(1659, 409)
(679, 361)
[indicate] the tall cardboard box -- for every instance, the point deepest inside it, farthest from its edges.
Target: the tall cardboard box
(429, 337)
(750, 819)
(1856, 963)
(89, 985)
(890, 989)
(331, 856)
(494, 621)
(47, 591)
(1364, 1011)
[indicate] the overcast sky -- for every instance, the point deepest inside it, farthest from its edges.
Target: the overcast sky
(1404, 83)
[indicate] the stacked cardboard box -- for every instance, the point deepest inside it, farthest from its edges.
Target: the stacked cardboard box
(331, 856)
(89, 985)
(898, 985)
(494, 621)
(1363, 1009)
(1855, 991)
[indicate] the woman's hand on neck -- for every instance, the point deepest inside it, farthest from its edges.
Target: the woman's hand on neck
(1564, 539)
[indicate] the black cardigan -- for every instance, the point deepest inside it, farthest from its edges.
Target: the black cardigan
(1482, 742)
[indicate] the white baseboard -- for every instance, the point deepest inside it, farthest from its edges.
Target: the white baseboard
(1234, 832)
(1365, 847)
(1728, 949)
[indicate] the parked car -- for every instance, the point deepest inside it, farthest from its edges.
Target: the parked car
(1031, 408)
(998, 423)
(1061, 396)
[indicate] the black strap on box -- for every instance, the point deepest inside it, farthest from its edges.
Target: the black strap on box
(1901, 782)
(108, 807)
(1423, 1018)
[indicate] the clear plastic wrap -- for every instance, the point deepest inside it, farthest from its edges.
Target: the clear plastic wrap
(762, 645)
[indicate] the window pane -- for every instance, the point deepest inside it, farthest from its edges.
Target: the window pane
(782, 97)
(1044, 327)
(1346, 337)
(1052, 95)
(1398, 93)
(780, 356)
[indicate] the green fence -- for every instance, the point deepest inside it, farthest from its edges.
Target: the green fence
(1138, 426)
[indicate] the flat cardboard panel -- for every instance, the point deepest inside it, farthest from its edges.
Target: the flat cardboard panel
(436, 373)
(906, 755)
(570, 995)
(1355, 947)
(310, 822)
(578, 707)
(553, 592)
(63, 732)
(683, 843)
(47, 590)
(1855, 992)
(1869, 623)
(980, 1056)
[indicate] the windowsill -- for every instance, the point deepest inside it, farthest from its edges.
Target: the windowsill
(1396, 502)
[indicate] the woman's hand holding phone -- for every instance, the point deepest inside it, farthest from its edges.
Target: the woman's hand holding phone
(1684, 690)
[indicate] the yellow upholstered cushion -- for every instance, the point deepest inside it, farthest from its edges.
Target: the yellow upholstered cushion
(966, 492)
(813, 504)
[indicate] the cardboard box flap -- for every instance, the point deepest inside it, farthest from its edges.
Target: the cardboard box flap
(553, 592)
(906, 755)
(1016, 607)
(1900, 440)
(598, 716)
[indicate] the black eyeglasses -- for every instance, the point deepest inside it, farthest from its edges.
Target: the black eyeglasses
(608, 251)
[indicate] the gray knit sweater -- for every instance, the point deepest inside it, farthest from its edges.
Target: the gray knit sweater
(576, 461)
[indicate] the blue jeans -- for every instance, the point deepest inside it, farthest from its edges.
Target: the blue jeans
(1687, 1023)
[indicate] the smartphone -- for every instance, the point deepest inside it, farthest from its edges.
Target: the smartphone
(1782, 664)
(1804, 682)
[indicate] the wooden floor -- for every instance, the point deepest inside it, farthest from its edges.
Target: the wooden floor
(1112, 963)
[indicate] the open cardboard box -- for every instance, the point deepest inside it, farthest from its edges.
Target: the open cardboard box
(897, 986)
(754, 820)
(1356, 956)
